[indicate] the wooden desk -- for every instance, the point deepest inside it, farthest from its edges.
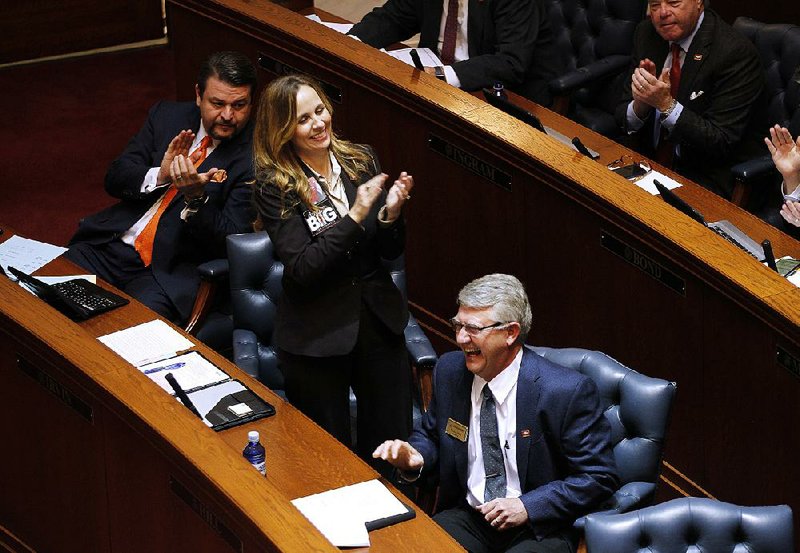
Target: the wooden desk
(607, 265)
(96, 457)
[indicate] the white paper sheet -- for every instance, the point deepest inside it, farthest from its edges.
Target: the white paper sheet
(56, 279)
(343, 28)
(426, 56)
(146, 342)
(27, 255)
(646, 182)
(191, 370)
(341, 514)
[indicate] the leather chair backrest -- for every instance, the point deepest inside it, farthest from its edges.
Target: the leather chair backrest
(778, 45)
(636, 406)
(586, 30)
(691, 524)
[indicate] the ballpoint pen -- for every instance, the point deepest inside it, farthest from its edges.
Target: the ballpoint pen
(165, 368)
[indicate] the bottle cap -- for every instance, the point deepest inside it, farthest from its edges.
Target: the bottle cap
(253, 436)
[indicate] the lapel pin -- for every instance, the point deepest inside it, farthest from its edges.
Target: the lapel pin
(526, 433)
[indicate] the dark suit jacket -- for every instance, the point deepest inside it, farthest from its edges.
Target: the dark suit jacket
(565, 465)
(510, 41)
(180, 246)
(327, 277)
(723, 125)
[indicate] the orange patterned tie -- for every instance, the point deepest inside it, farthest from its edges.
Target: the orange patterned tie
(144, 242)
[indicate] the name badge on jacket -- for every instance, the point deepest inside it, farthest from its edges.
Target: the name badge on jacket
(325, 216)
(456, 430)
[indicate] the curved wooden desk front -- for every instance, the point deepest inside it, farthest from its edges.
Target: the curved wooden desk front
(96, 457)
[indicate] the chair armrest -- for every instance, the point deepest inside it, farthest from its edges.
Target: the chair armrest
(211, 274)
(582, 76)
(245, 351)
(630, 496)
(752, 168)
(420, 350)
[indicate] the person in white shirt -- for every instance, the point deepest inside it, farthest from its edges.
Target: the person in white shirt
(520, 445)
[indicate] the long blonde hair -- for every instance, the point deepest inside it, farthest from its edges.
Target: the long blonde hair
(274, 158)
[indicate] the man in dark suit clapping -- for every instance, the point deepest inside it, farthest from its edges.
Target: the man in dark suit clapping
(184, 183)
(694, 99)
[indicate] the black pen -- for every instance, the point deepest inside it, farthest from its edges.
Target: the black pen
(181, 394)
(416, 60)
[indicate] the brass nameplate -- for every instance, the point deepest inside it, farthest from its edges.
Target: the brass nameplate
(57, 389)
(470, 162)
(280, 69)
(644, 263)
(456, 430)
(206, 514)
(787, 361)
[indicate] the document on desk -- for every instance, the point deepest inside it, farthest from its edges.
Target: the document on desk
(427, 56)
(146, 343)
(345, 515)
(646, 182)
(27, 255)
(343, 28)
(191, 370)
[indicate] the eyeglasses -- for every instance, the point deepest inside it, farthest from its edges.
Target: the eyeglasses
(473, 330)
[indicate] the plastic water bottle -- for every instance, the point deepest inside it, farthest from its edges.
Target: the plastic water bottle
(255, 453)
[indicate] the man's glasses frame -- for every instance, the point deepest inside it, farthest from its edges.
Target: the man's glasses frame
(474, 330)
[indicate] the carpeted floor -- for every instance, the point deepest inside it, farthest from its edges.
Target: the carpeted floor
(66, 122)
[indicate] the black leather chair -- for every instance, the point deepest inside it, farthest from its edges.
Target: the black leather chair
(255, 282)
(638, 408)
(595, 38)
(778, 45)
(693, 524)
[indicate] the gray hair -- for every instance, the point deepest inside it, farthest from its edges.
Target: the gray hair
(505, 294)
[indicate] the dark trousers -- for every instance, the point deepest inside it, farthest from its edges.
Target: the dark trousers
(470, 529)
(120, 265)
(378, 371)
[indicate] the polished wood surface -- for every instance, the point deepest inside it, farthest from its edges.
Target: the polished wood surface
(99, 458)
(716, 333)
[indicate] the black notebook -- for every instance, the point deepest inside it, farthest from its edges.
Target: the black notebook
(78, 298)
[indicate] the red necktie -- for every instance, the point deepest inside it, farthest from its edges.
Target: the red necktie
(450, 31)
(666, 149)
(675, 70)
(144, 242)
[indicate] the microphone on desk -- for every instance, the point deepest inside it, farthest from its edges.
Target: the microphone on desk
(181, 393)
(769, 257)
(581, 148)
(416, 60)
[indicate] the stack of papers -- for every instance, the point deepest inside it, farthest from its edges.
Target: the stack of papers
(146, 343)
(27, 255)
(344, 515)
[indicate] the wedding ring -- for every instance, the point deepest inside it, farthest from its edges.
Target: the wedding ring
(408, 197)
(178, 177)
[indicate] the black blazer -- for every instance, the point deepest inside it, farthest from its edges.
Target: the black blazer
(180, 246)
(509, 41)
(721, 90)
(327, 277)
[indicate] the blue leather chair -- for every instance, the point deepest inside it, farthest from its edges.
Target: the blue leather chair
(594, 38)
(638, 408)
(691, 524)
(255, 281)
(778, 45)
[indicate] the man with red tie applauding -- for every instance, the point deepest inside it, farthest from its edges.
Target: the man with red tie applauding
(694, 99)
(184, 183)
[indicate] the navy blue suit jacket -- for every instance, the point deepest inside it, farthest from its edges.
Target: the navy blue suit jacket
(564, 456)
(180, 246)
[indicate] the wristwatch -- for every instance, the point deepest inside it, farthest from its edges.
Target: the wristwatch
(439, 72)
(667, 112)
